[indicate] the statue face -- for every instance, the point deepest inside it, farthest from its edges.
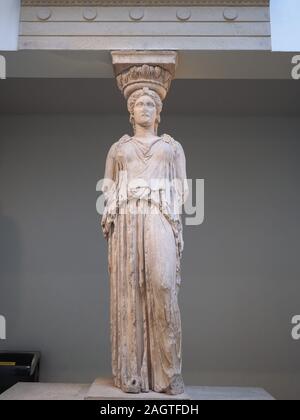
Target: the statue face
(144, 111)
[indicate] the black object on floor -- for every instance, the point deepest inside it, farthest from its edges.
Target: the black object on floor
(18, 367)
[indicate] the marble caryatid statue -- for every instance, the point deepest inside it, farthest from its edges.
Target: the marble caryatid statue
(145, 186)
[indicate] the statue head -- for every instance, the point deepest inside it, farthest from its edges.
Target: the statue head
(144, 106)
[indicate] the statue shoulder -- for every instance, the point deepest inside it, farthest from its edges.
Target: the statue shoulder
(114, 147)
(169, 139)
(124, 139)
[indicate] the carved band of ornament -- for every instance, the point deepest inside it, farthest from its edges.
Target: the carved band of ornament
(145, 3)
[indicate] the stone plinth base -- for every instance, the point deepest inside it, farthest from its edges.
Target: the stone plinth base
(103, 389)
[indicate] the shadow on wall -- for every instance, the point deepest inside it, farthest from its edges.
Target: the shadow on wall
(10, 266)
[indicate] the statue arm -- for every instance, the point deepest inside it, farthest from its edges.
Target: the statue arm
(180, 164)
(108, 189)
(110, 171)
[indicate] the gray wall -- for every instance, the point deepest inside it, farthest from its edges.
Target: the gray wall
(240, 269)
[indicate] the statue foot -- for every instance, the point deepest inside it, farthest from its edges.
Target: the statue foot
(132, 387)
(176, 386)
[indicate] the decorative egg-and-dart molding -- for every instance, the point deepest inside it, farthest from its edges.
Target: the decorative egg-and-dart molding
(88, 3)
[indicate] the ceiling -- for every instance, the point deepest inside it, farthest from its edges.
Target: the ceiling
(192, 64)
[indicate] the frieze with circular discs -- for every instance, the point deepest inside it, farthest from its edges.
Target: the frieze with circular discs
(44, 13)
(90, 13)
(183, 14)
(136, 14)
(230, 13)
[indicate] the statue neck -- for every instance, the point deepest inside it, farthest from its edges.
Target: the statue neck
(145, 132)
